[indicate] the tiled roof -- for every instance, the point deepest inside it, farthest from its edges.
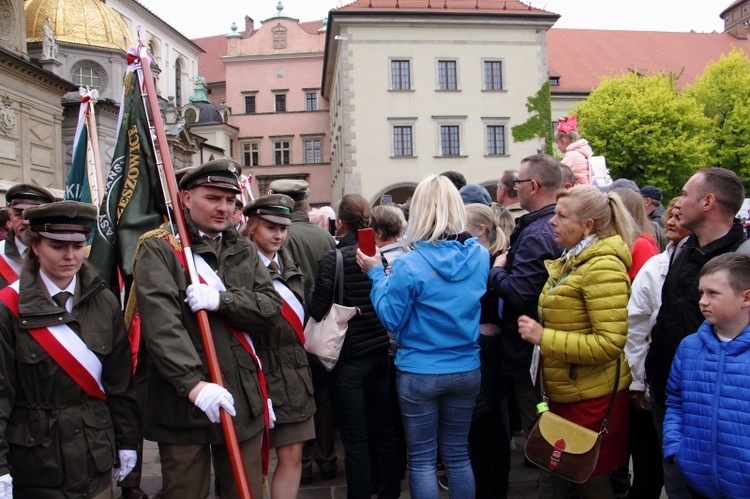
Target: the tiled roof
(210, 66)
(453, 6)
(580, 57)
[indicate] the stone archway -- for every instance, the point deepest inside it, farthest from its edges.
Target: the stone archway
(400, 192)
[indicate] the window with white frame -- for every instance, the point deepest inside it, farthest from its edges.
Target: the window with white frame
(251, 153)
(282, 152)
(400, 74)
(447, 75)
(495, 140)
(280, 103)
(313, 150)
(402, 140)
(450, 143)
(311, 101)
(493, 75)
(250, 104)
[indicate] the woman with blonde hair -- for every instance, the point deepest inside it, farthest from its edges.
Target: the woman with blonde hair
(584, 306)
(644, 246)
(489, 442)
(438, 374)
(280, 348)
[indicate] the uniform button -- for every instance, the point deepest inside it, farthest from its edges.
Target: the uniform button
(104, 348)
(77, 431)
(59, 318)
(31, 440)
(24, 322)
(33, 356)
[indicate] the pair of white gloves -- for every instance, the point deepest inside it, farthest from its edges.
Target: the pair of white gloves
(212, 398)
(128, 459)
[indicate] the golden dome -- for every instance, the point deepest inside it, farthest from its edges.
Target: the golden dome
(82, 22)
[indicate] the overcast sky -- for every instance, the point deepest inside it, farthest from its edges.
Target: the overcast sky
(215, 18)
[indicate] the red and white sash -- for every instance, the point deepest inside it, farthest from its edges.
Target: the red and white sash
(65, 347)
(208, 276)
(292, 310)
(9, 269)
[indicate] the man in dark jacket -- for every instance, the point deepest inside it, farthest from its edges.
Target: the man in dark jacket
(182, 408)
(709, 202)
(518, 276)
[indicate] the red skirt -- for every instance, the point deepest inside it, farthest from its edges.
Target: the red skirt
(613, 451)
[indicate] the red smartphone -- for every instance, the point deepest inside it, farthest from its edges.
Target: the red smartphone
(366, 238)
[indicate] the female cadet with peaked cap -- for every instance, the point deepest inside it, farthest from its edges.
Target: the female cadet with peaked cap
(67, 407)
(280, 348)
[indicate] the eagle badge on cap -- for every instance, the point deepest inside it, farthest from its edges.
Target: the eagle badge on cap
(232, 169)
(71, 212)
(282, 201)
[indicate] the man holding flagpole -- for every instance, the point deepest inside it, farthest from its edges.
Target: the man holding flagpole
(182, 408)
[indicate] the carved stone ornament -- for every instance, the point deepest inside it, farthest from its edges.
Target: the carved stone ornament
(7, 116)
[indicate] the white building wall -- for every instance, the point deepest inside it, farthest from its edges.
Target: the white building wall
(363, 106)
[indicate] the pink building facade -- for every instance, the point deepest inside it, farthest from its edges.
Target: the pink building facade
(270, 78)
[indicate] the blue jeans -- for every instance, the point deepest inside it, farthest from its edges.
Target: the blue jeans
(436, 409)
(360, 394)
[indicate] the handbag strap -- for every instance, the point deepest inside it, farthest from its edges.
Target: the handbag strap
(338, 279)
(605, 421)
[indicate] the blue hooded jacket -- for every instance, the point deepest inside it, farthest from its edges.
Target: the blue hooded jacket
(707, 425)
(431, 301)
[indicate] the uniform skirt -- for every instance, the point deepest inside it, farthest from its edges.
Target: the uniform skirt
(292, 433)
(613, 451)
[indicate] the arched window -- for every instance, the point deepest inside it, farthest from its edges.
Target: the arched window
(190, 115)
(88, 73)
(178, 83)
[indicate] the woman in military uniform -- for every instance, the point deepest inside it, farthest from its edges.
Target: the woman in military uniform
(67, 407)
(284, 359)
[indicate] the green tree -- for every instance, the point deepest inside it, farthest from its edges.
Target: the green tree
(646, 130)
(723, 92)
(540, 122)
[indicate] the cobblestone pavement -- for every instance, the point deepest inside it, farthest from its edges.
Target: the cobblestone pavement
(522, 479)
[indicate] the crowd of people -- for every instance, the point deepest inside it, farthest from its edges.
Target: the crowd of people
(616, 311)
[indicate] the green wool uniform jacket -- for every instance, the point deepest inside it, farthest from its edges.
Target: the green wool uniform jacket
(11, 251)
(284, 358)
(170, 332)
(306, 244)
(55, 440)
(583, 308)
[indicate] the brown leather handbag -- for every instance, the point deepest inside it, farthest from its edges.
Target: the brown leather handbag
(565, 448)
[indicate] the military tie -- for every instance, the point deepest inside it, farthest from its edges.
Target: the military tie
(61, 299)
(274, 268)
(213, 241)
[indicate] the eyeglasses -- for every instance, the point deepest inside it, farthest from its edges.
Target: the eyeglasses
(521, 181)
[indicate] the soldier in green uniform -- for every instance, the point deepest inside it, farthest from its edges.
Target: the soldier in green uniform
(16, 241)
(306, 243)
(67, 407)
(182, 408)
(284, 358)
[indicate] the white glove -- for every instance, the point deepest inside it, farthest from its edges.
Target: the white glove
(271, 415)
(213, 397)
(6, 487)
(202, 296)
(128, 459)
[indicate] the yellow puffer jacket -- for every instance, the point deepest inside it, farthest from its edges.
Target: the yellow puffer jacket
(584, 311)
